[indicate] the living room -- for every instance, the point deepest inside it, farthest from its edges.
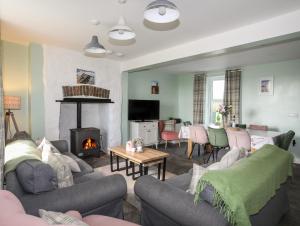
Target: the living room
(68, 71)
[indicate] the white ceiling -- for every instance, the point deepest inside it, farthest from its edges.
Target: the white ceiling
(65, 23)
(267, 54)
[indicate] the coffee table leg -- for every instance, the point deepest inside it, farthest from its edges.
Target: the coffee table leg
(118, 166)
(146, 170)
(158, 171)
(164, 169)
(126, 162)
(141, 169)
(111, 162)
(133, 171)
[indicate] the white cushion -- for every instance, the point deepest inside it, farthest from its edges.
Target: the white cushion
(198, 171)
(72, 163)
(46, 145)
(230, 157)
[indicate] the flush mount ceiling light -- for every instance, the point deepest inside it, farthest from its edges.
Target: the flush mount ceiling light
(161, 11)
(121, 31)
(94, 47)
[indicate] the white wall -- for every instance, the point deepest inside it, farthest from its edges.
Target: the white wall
(60, 69)
(273, 110)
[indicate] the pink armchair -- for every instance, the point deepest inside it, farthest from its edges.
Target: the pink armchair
(12, 214)
(167, 131)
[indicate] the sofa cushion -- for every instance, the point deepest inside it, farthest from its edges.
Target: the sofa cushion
(52, 217)
(46, 145)
(72, 164)
(84, 167)
(62, 169)
(36, 176)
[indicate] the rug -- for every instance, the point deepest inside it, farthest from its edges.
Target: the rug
(131, 197)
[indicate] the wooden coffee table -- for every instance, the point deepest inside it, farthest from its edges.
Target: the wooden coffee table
(144, 159)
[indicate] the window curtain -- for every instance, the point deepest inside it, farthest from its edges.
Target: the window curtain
(2, 132)
(232, 93)
(199, 98)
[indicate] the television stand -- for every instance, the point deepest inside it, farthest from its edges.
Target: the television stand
(147, 130)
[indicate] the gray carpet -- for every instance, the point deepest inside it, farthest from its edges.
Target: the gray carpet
(178, 163)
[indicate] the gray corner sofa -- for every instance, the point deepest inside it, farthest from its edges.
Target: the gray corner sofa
(168, 204)
(91, 193)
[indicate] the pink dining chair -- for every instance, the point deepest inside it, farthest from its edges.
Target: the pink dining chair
(258, 127)
(167, 131)
(198, 135)
(239, 138)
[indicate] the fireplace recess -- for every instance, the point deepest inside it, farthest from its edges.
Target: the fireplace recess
(84, 141)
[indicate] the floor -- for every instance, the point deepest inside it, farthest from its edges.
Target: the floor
(178, 163)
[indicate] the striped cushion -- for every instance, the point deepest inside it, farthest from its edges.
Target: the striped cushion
(59, 218)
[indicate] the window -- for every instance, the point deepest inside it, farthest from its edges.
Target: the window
(215, 95)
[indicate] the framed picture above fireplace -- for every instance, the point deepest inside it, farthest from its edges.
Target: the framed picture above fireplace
(85, 77)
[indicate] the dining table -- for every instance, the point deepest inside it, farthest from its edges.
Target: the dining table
(258, 137)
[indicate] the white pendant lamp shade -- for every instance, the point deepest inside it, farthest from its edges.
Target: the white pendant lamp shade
(94, 46)
(121, 31)
(161, 11)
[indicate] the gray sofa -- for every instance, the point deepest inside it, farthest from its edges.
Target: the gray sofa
(168, 204)
(91, 193)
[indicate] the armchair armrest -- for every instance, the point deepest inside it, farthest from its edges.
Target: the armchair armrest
(82, 197)
(177, 204)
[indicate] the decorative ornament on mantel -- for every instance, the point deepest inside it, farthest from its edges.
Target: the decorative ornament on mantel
(161, 11)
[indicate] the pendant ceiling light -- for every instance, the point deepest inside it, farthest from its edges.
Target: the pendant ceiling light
(94, 46)
(121, 31)
(161, 11)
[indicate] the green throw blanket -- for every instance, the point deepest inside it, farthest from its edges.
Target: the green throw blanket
(19, 151)
(244, 188)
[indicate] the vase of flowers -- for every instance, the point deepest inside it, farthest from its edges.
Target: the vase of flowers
(224, 110)
(138, 143)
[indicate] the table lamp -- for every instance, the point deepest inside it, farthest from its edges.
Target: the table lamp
(11, 103)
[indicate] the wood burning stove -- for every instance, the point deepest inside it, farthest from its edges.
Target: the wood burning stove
(85, 142)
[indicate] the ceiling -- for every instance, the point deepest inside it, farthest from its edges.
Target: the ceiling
(66, 23)
(289, 50)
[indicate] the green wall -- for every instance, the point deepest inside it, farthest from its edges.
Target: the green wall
(175, 95)
(36, 89)
(15, 79)
(273, 110)
(139, 87)
(23, 76)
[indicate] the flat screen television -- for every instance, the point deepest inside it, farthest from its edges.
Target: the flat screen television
(141, 110)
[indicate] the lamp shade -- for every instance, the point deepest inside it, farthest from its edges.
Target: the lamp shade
(121, 31)
(12, 102)
(161, 11)
(94, 46)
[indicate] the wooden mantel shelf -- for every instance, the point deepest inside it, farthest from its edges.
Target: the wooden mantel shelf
(80, 101)
(86, 100)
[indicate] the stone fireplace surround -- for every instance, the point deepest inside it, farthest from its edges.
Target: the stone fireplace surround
(60, 69)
